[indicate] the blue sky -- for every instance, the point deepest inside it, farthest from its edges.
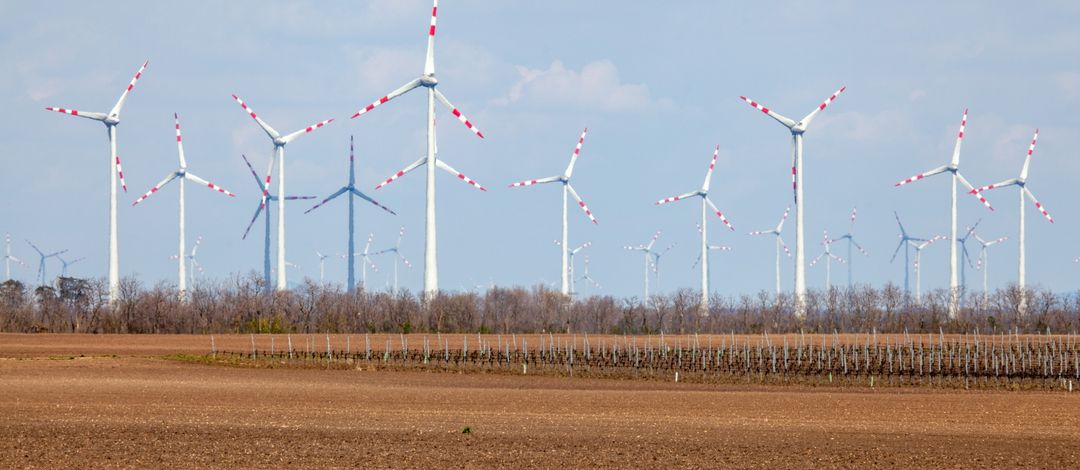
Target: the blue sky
(657, 87)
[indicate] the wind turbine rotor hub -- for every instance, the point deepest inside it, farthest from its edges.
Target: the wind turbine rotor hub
(429, 81)
(279, 142)
(112, 120)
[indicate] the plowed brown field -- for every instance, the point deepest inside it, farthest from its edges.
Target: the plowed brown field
(135, 409)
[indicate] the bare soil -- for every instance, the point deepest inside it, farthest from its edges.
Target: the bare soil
(126, 408)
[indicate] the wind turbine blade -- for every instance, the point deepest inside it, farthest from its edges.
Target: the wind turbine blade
(810, 117)
(897, 251)
(368, 199)
(581, 203)
(1000, 184)
(651, 242)
(32, 245)
(195, 249)
(258, 180)
(786, 121)
(574, 156)
(120, 172)
(265, 127)
(859, 247)
(549, 179)
(262, 205)
(959, 139)
(461, 176)
(179, 142)
(194, 178)
(971, 188)
(75, 112)
(293, 198)
(721, 215)
(1027, 160)
(780, 226)
(393, 94)
(123, 97)
(923, 175)
(429, 61)
(712, 165)
(812, 263)
(784, 245)
(677, 198)
(156, 187)
(294, 135)
(328, 199)
(402, 172)
(1038, 205)
(457, 114)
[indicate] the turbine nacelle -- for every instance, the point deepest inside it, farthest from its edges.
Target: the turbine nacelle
(112, 119)
(429, 80)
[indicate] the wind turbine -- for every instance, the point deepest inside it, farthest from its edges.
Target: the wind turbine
(111, 119)
(264, 203)
(965, 257)
(779, 244)
(919, 247)
(8, 258)
(567, 262)
(828, 256)
(65, 263)
(797, 130)
(182, 174)
(396, 250)
(706, 204)
(570, 252)
(647, 251)
(322, 267)
(954, 168)
(710, 248)
(428, 81)
(905, 243)
(656, 262)
(279, 141)
(365, 260)
(193, 262)
(984, 263)
(1021, 182)
(587, 277)
(352, 191)
(43, 257)
(850, 237)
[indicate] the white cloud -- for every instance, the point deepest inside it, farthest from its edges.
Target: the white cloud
(596, 86)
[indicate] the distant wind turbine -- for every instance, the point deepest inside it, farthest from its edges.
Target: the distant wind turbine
(983, 263)
(192, 260)
(279, 142)
(351, 190)
(571, 252)
(954, 168)
(706, 205)
(779, 244)
(647, 251)
(396, 250)
(567, 262)
(850, 237)
(588, 277)
(1021, 182)
(905, 243)
(65, 263)
(41, 261)
(111, 119)
(264, 203)
(919, 247)
(828, 256)
(182, 174)
(428, 80)
(797, 130)
(8, 258)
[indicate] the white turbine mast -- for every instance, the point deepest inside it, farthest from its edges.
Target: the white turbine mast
(779, 244)
(797, 130)
(66, 263)
(1021, 182)
(192, 260)
(587, 277)
(111, 119)
(954, 168)
(279, 141)
(182, 174)
(919, 247)
(571, 252)
(706, 205)
(351, 190)
(567, 262)
(428, 81)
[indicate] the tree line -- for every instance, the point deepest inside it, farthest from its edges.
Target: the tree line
(243, 304)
